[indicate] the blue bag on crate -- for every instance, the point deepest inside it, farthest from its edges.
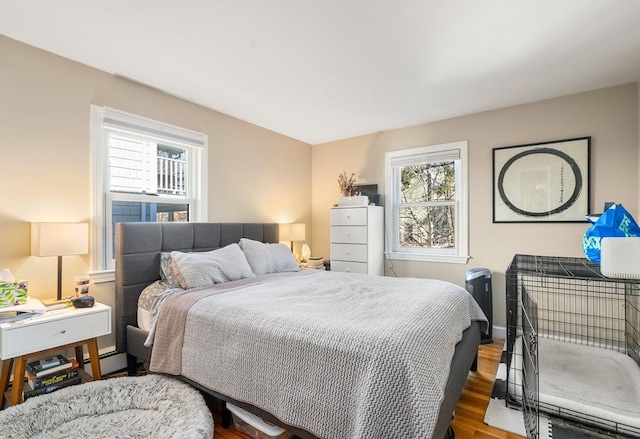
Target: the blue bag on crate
(614, 222)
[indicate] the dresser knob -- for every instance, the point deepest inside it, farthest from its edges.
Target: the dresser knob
(63, 331)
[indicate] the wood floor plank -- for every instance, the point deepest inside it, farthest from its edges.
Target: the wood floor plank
(468, 422)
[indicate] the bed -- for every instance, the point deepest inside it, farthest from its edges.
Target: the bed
(296, 348)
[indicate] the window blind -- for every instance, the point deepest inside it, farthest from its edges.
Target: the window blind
(125, 122)
(420, 158)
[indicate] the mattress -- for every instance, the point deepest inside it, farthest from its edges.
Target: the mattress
(599, 383)
(144, 319)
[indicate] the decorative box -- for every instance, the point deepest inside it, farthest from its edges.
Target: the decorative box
(13, 293)
(359, 200)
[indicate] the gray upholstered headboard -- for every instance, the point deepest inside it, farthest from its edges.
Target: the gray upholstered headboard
(138, 248)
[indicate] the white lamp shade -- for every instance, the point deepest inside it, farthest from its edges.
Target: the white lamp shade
(59, 239)
(297, 232)
(285, 232)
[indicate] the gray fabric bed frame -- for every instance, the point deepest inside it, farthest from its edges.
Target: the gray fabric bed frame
(138, 248)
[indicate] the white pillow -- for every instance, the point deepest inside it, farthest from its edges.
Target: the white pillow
(202, 269)
(268, 258)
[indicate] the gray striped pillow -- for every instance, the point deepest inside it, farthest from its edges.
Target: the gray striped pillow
(202, 269)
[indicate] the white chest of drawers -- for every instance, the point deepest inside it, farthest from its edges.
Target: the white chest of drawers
(357, 240)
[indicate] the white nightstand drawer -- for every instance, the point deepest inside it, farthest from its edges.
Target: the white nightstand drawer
(349, 234)
(350, 216)
(349, 267)
(349, 252)
(50, 331)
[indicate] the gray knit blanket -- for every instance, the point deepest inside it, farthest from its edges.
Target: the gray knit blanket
(339, 355)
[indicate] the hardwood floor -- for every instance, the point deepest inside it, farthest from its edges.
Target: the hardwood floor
(468, 422)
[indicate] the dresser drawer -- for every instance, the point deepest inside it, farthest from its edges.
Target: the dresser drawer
(21, 340)
(349, 252)
(349, 234)
(349, 267)
(349, 216)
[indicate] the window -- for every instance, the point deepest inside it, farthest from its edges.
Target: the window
(426, 203)
(143, 171)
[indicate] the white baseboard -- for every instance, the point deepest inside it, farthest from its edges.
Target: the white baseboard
(110, 361)
(499, 332)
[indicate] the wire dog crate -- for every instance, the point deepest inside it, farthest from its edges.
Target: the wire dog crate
(565, 300)
(530, 367)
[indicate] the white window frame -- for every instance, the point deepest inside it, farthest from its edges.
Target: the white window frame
(105, 119)
(426, 154)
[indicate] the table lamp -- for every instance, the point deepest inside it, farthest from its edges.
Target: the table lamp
(292, 232)
(59, 239)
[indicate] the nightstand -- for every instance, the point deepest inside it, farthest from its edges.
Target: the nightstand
(54, 331)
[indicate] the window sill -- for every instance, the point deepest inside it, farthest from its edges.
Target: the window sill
(98, 277)
(447, 259)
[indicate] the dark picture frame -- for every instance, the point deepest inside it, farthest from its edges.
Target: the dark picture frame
(544, 182)
(370, 190)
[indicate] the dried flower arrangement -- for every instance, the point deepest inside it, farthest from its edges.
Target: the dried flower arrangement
(347, 185)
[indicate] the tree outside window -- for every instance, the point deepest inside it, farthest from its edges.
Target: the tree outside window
(428, 192)
(426, 203)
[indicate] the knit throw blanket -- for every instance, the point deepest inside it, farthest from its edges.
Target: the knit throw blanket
(339, 355)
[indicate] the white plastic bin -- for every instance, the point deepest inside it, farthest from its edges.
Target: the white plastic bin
(254, 426)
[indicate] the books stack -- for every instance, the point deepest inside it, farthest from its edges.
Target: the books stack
(316, 262)
(50, 374)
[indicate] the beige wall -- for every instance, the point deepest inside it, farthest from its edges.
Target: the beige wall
(258, 175)
(609, 116)
(254, 174)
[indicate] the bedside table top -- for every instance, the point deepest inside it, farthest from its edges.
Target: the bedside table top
(55, 315)
(54, 328)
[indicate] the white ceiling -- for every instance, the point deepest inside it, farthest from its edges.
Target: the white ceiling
(325, 70)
